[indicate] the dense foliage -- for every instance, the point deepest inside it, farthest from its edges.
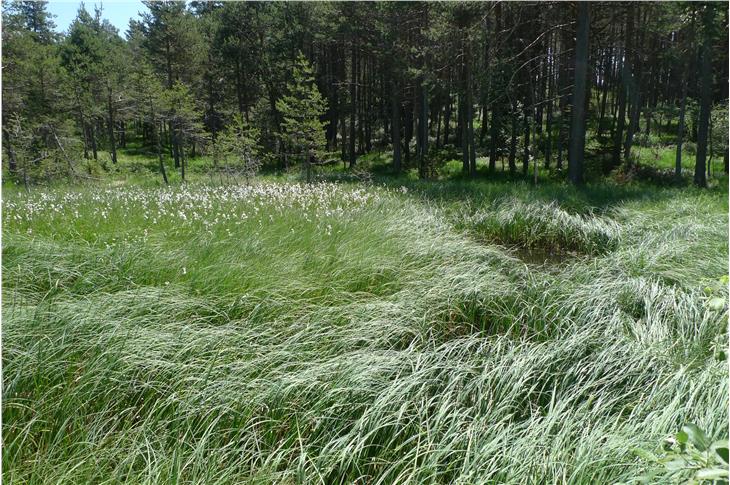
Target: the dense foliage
(490, 80)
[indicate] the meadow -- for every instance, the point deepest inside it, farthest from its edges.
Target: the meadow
(346, 332)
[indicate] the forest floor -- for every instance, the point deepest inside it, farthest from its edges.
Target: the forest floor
(398, 331)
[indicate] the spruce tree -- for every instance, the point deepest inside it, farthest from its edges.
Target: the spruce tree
(301, 109)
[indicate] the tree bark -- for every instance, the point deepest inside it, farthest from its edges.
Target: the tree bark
(159, 154)
(705, 102)
(578, 123)
(635, 92)
(513, 141)
(395, 125)
(353, 103)
(623, 86)
(110, 122)
(680, 132)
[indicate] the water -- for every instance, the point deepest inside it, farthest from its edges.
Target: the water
(544, 256)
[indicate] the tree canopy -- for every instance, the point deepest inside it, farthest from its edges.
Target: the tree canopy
(486, 83)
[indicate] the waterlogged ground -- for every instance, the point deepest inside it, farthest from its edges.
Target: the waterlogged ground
(334, 333)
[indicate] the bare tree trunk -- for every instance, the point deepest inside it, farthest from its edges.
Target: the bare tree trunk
(623, 86)
(578, 124)
(353, 103)
(395, 125)
(423, 131)
(92, 136)
(110, 122)
(680, 132)
(181, 152)
(513, 140)
(159, 154)
(635, 91)
(526, 148)
(704, 116)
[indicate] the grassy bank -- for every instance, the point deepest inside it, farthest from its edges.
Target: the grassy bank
(341, 333)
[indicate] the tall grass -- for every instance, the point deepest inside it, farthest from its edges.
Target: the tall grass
(335, 334)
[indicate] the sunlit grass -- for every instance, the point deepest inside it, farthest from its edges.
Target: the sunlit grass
(338, 333)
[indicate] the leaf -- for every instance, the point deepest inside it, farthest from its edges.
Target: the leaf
(682, 437)
(721, 450)
(711, 474)
(696, 436)
(716, 303)
(676, 465)
(644, 454)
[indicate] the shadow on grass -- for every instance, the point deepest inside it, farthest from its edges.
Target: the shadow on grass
(487, 187)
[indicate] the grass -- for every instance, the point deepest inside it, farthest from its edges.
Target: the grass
(341, 333)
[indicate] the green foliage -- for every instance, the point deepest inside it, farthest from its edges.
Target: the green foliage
(237, 149)
(719, 122)
(689, 457)
(302, 132)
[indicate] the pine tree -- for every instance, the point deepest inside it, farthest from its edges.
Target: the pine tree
(301, 109)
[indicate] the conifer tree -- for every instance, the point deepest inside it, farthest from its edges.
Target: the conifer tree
(301, 109)
(237, 148)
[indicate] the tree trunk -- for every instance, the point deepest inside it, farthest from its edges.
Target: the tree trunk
(469, 116)
(159, 154)
(92, 136)
(470, 132)
(407, 130)
(464, 134)
(549, 114)
(496, 105)
(182, 157)
(174, 144)
(635, 91)
(680, 132)
(122, 134)
(110, 122)
(513, 141)
(343, 135)
(395, 126)
(447, 112)
(438, 128)
(353, 103)
(423, 131)
(526, 148)
(705, 101)
(625, 76)
(606, 85)
(493, 137)
(578, 123)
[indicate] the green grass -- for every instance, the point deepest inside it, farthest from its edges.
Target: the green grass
(343, 333)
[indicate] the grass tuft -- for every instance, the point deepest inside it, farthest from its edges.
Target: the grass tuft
(331, 333)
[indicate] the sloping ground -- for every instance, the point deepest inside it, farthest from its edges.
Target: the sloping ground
(337, 335)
